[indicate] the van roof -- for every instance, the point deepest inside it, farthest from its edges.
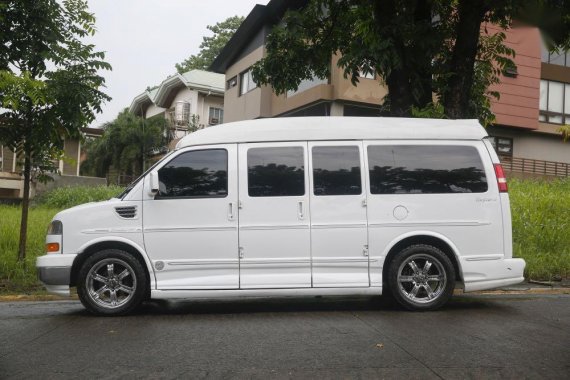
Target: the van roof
(335, 128)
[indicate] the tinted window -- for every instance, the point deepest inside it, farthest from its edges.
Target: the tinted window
(336, 170)
(420, 169)
(201, 173)
(274, 172)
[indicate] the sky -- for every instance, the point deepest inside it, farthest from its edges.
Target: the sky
(144, 39)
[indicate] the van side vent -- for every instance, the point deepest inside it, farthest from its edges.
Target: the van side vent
(128, 212)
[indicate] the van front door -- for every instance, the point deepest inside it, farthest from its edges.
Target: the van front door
(274, 230)
(191, 225)
(339, 237)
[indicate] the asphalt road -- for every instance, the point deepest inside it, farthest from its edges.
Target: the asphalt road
(480, 336)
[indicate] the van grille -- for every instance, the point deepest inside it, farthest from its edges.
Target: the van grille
(127, 212)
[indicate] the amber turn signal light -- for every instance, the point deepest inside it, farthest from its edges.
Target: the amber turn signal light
(52, 247)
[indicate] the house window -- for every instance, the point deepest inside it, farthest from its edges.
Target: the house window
(367, 74)
(246, 82)
(554, 102)
(216, 116)
(307, 84)
(503, 145)
(231, 83)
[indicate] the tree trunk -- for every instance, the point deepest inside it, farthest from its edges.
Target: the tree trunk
(410, 80)
(399, 93)
(424, 22)
(461, 68)
(25, 206)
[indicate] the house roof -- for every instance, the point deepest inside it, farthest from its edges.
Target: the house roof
(162, 95)
(335, 128)
(259, 16)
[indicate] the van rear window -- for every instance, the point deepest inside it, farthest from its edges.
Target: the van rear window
(425, 169)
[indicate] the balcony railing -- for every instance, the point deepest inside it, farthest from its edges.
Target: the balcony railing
(527, 165)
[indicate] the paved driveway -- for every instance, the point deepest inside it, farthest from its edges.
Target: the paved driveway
(474, 337)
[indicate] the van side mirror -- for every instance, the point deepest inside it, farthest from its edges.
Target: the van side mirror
(153, 181)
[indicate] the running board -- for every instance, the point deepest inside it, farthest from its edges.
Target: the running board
(253, 293)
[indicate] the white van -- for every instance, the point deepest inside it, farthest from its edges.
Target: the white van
(297, 206)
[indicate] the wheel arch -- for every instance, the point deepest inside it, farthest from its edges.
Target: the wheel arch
(114, 243)
(422, 237)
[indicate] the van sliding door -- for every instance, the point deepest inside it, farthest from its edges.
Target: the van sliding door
(339, 237)
(274, 220)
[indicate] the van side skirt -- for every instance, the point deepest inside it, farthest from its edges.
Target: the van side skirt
(252, 293)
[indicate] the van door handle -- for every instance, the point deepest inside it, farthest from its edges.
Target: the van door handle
(300, 212)
(231, 211)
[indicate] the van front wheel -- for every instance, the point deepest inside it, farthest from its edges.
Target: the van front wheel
(111, 282)
(421, 277)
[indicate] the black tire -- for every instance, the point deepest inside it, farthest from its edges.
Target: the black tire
(416, 288)
(111, 282)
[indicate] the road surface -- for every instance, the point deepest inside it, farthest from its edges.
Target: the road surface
(482, 336)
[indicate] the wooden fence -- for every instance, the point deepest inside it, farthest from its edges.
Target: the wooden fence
(527, 165)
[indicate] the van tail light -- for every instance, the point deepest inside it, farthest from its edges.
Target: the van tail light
(501, 179)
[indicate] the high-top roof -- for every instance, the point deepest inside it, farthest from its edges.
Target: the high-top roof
(335, 128)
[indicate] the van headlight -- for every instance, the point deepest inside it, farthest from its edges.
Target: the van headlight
(54, 238)
(55, 228)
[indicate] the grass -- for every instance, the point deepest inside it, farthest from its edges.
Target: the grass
(21, 277)
(65, 197)
(14, 276)
(541, 227)
(540, 209)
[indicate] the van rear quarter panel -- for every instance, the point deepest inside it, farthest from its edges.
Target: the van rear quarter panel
(470, 222)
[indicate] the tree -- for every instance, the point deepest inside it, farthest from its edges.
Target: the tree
(125, 144)
(49, 83)
(211, 46)
(419, 48)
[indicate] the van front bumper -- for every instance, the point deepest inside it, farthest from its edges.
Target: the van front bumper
(482, 274)
(54, 271)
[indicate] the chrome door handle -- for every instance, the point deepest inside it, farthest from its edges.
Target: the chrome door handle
(300, 212)
(231, 211)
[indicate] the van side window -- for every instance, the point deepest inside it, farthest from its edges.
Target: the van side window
(422, 169)
(275, 172)
(199, 173)
(336, 170)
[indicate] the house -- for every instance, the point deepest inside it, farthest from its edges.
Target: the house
(533, 103)
(188, 101)
(12, 184)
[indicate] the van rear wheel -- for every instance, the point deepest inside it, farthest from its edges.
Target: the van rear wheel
(421, 277)
(111, 282)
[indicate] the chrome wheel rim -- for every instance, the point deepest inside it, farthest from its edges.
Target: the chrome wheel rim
(421, 279)
(111, 283)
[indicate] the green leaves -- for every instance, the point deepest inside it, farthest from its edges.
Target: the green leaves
(211, 46)
(127, 140)
(50, 85)
(424, 51)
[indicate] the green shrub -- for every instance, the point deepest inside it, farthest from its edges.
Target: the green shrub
(65, 197)
(541, 226)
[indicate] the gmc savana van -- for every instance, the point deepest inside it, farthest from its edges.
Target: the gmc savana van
(296, 206)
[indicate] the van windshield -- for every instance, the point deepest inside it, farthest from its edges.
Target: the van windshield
(134, 183)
